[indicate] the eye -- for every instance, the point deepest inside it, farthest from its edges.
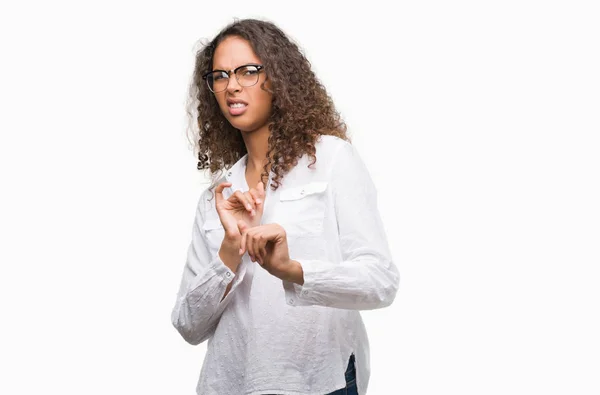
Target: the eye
(248, 71)
(219, 76)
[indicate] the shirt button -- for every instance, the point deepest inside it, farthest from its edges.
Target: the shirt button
(229, 174)
(228, 274)
(302, 192)
(291, 301)
(304, 292)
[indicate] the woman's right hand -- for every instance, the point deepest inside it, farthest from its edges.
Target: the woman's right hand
(241, 206)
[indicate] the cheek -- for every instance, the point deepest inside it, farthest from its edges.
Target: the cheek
(222, 102)
(263, 102)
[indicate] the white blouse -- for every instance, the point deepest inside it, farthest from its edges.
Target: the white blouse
(270, 336)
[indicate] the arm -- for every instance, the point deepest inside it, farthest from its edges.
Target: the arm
(367, 278)
(205, 286)
(231, 258)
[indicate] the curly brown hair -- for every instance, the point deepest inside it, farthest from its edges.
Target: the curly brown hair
(301, 108)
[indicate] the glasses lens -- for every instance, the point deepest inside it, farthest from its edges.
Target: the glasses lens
(247, 76)
(217, 81)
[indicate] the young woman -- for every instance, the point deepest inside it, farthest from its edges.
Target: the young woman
(287, 245)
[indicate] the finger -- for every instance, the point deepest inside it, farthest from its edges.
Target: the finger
(271, 232)
(261, 189)
(259, 196)
(256, 241)
(257, 199)
(263, 250)
(240, 197)
(250, 243)
(243, 227)
(250, 198)
(219, 191)
(262, 253)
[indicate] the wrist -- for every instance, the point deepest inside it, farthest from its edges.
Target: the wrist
(230, 255)
(295, 273)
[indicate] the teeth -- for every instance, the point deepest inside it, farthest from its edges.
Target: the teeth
(237, 105)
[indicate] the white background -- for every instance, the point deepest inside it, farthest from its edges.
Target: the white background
(478, 120)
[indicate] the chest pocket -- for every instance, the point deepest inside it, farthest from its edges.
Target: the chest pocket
(214, 233)
(302, 208)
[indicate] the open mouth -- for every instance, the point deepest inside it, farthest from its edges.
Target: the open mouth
(237, 108)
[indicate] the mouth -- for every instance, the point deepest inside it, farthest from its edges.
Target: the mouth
(237, 108)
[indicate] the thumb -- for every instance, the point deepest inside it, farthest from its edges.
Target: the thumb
(260, 189)
(261, 194)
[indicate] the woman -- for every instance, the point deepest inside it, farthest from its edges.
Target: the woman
(287, 245)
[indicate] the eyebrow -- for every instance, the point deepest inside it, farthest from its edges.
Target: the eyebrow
(244, 64)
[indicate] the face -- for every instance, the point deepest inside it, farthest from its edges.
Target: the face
(229, 54)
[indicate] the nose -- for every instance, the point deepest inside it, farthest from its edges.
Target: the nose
(233, 84)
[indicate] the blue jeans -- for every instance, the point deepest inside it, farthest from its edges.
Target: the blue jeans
(350, 388)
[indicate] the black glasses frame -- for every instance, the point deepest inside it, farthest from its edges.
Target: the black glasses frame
(259, 67)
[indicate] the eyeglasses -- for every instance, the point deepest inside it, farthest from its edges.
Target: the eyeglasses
(246, 75)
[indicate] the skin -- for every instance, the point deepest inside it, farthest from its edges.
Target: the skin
(242, 212)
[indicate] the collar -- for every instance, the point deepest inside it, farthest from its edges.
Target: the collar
(236, 174)
(232, 175)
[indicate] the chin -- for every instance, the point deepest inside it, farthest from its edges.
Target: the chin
(240, 127)
(244, 127)
(246, 130)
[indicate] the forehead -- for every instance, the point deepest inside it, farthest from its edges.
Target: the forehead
(233, 52)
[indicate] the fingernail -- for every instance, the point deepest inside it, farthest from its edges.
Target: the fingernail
(253, 212)
(258, 201)
(249, 207)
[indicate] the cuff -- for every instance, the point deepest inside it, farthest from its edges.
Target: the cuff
(296, 294)
(228, 276)
(215, 283)
(221, 270)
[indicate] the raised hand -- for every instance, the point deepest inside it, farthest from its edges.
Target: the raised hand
(267, 245)
(240, 206)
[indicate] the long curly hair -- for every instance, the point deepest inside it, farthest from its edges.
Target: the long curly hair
(301, 108)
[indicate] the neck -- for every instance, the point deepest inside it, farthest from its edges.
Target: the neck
(257, 144)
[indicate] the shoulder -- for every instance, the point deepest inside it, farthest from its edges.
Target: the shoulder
(326, 150)
(330, 144)
(330, 148)
(336, 151)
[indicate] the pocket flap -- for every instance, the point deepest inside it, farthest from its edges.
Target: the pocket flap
(301, 191)
(212, 224)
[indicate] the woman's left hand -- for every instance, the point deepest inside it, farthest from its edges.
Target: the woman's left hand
(267, 245)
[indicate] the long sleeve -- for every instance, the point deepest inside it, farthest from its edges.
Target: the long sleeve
(198, 307)
(367, 277)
